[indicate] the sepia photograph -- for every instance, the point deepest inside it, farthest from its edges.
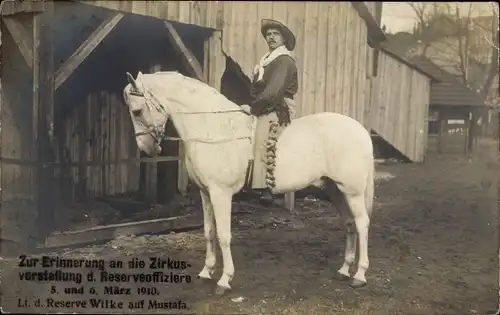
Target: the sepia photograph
(249, 158)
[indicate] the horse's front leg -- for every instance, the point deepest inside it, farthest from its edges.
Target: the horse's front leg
(209, 227)
(221, 202)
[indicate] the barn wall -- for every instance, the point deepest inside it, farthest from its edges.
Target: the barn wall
(98, 140)
(331, 52)
(399, 106)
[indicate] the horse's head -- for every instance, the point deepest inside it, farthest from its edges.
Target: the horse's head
(148, 115)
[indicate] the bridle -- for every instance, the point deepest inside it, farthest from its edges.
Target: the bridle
(158, 132)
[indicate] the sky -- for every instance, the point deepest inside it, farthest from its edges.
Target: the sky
(399, 16)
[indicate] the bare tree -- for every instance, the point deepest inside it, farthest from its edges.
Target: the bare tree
(492, 38)
(460, 37)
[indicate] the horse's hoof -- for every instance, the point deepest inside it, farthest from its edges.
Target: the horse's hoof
(355, 284)
(342, 277)
(220, 291)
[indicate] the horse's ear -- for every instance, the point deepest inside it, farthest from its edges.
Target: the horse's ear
(132, 82)
(139, 74)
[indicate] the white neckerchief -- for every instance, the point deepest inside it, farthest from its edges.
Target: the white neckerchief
(268, 57)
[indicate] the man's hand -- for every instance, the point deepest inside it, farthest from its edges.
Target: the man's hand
(246, 108)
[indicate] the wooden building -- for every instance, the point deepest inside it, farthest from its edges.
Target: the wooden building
(71, 134)
(399, 104)
(457, 115)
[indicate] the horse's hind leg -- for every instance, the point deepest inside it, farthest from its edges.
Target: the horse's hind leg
(209, 227)
(338, 201)
(362, 220)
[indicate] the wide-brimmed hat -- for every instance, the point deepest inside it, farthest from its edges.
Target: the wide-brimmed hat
(285, 31)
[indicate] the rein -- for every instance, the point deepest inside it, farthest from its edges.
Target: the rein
(158, 131)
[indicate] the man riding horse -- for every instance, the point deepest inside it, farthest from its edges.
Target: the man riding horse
(273, 88)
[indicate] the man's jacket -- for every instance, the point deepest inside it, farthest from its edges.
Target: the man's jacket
(278, 82)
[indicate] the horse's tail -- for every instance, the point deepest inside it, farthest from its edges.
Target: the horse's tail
(369, 190)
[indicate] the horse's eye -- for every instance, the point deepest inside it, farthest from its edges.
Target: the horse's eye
(137, 112)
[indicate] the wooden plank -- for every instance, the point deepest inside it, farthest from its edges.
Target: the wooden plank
(151, 189)
(88, 163)
(441, 136)
(356, 106)
(399, 106)
(330, 58)
(109, 232)
(151, 169)
(321, 56)
(194, 66)
(86, 48)
(217, 61)
(35, 174)
(21, 38)
(43, 39)
(340, 55)
(346, 65)
(290, 201)
(83, 135)
(90, 144)
(114, 145)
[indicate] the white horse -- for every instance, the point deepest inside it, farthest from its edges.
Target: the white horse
(325, 150)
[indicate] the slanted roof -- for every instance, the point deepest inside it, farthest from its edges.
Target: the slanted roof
(449, 90)
(408, 63)
(375, 33)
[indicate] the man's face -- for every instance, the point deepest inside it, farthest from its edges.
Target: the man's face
(274, 38)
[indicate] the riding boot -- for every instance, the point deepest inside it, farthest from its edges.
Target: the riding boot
(267, 196)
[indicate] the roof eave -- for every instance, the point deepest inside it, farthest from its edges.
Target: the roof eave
(375, 33)
(410, 64)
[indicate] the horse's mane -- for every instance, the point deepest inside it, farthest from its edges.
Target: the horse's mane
(180, 83)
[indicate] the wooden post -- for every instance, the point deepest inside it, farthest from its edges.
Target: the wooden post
(194, 67)
(290, 201)
(210, 72)
(216, 60)
(43, 106)
(19, 208)
(151, 178)
(35, 123)
(182, 177)
(467, 133)
(472, 136)
(441, 134)
(151, 169)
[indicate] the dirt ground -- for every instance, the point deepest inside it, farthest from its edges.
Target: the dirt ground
(433, 249)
